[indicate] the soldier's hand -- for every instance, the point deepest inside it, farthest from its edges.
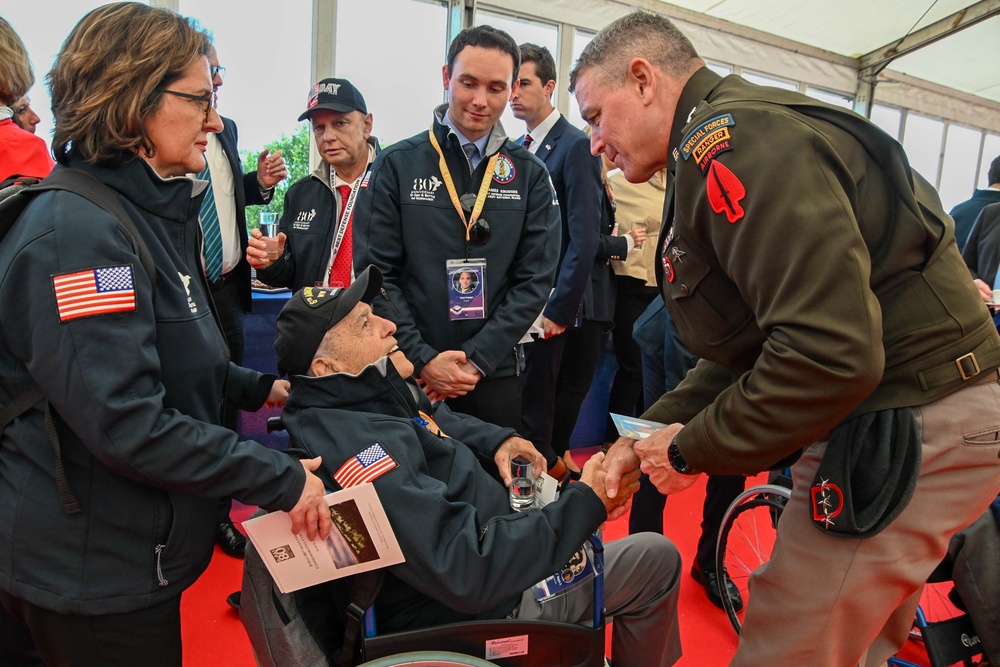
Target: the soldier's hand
(595, 476)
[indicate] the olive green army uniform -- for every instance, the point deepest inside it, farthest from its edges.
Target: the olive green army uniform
(818, 278)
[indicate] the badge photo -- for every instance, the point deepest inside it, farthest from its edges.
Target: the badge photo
(466, 289)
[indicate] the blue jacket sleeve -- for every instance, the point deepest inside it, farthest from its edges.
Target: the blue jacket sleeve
(580, 199)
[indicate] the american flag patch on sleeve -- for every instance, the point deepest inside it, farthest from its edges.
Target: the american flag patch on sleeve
(94, 292)
(366, 467)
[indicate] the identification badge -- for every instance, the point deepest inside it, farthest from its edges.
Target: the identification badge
(580, 569)
(466, 289)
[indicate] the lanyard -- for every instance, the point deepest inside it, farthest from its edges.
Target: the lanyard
(484, 187)
(345, 215)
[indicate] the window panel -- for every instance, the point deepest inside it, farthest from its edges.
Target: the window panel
(522, 30)
(721, 70)
(888, 119)
(922, 142)
(580, 40)
(267, 63)
(401, 86)
(835, 99)
(958, 169)
(764, 80)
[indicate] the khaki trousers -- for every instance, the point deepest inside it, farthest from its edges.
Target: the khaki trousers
(829, 601)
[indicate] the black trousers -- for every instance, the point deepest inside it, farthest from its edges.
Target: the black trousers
(149, 637)
(552, 391)
(229, 307)
(494, 400)
(626, 390)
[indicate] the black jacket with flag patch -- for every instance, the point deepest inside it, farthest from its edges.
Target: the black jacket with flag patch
(135, 381)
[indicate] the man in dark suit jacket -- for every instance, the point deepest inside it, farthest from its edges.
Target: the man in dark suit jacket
(982, 252)
(965, 213)
(582, 303)
(232, 190)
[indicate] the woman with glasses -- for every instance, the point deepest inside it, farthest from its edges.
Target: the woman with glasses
(132, 366)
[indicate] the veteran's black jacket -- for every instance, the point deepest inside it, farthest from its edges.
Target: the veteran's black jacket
(468, 555)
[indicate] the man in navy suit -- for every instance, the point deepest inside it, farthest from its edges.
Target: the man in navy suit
(232, 191)
(582, 304)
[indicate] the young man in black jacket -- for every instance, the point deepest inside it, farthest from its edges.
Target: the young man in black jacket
(457, 197)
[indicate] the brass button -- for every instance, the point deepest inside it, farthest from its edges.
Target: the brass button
(684, 288)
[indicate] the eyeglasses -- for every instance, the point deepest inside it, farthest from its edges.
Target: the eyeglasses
(218, 70)
(210, 101)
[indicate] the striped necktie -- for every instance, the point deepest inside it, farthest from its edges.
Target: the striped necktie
(472, 153)
(527, 141)
(211, 231)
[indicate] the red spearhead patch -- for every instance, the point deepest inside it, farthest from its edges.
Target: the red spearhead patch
(725, 191)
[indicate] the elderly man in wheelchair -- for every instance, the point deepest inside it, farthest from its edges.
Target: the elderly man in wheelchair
(468, 554)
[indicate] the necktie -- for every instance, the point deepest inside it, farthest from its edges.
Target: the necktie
(211, 232)
(340, 272)
(472, 153)
(527, 141)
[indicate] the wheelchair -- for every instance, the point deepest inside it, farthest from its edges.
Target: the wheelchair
(746, 539)
(505, 643)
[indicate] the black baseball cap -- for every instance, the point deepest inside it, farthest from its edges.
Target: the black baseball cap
(311, 312)
(335, 95)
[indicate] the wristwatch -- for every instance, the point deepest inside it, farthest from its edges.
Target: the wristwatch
(676, 459)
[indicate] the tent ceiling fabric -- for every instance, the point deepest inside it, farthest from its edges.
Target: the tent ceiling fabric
(964, 60)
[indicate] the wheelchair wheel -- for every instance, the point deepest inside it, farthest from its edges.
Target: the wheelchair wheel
(746, 539)
(429, 659)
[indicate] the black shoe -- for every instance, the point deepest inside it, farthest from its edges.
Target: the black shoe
(710, 580)
(233, 600)
(230, 539)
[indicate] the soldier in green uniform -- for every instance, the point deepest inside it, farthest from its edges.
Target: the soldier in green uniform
(818, 279)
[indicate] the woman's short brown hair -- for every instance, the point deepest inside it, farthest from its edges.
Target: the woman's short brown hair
(108, 74)
(16, 75)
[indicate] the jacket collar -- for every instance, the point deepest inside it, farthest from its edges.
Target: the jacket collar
(167, 198)
(498, 136)
(378, 388)
(696, 90)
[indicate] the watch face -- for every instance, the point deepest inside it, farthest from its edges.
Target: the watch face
(675, 458)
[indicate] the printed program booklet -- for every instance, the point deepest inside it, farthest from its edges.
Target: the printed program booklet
(633, 427)
(361, 539)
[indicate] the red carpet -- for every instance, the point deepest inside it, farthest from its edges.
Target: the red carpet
(214, 637)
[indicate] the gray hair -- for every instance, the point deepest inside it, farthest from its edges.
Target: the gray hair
(637, 35)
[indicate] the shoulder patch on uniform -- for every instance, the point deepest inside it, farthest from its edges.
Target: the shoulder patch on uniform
(97, 291)
(504, 172)
(366, 467)
(725, 191)
(708, 140)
